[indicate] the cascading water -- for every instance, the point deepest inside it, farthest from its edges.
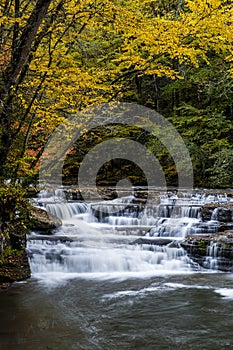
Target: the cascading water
(212, 254)
(100, 239)
(101, 281)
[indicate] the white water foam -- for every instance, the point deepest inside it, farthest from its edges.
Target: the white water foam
(104, 246)
(152, 289)
(226, 293)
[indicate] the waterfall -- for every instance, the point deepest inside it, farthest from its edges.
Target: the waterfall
(214, 215)
(212, 256)
(100, 240)
(66, 211)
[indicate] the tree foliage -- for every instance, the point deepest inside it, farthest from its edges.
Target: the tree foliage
(59, 56)
(14, 217)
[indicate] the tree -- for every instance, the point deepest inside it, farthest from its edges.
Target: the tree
(14, 67)
(60, 56)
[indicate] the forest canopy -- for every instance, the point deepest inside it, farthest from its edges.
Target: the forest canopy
(58, 57)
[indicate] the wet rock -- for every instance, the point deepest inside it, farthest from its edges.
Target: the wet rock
(140, 193)
(224, 214)
(43, 221)
(52, 238)
(155, 241)
(203, 248)
(196, 246)
(225, 226)
(107, 193)
(76, 196)
(139, 201)
(217, 212)
(207, 211)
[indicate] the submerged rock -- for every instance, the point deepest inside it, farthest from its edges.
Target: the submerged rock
(43, 221)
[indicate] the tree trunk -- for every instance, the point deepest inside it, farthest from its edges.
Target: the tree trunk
(21, 47)
(20, 55)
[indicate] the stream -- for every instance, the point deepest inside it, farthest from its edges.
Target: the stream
(94, 287)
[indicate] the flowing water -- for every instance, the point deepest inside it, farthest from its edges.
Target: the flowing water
(94, 287)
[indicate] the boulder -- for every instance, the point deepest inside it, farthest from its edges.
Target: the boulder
(41, 220)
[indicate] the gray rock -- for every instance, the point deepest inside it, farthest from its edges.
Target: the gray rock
(198, 248)
(217, 212)
(43, 221)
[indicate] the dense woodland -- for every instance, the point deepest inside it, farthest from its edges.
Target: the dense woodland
(59, 57)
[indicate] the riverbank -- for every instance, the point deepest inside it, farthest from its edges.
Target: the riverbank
(14, 264)
(14, 267)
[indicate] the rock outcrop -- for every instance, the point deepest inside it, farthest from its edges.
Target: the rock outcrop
(211, 251)
(219, 212)
(14, 265)
(41, 220)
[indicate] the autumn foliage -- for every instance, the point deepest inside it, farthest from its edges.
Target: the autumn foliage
(58, 57)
